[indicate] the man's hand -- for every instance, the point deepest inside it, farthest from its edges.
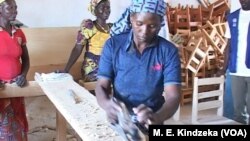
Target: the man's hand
(112, 109)
(21, 80)
(145, 115)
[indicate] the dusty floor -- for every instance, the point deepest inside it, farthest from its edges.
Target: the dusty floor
(42, 119)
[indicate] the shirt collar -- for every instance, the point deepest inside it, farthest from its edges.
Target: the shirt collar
(12, 31)
(129, 40)
(130, 43)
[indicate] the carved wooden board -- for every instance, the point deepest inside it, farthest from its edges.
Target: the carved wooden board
(86, 117)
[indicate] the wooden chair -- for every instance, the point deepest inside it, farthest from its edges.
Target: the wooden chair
(186, 78)
(207, 100)
(186, 86)
(170, 18)
(182, 19)
(195, 18)
(220, 26)
(205, 3)
(198, 56)
(207, 13)
(211, 58)
(186, 95)
(214, 37)
(220, 8)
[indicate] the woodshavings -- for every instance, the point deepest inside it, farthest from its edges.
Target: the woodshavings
(86, 118)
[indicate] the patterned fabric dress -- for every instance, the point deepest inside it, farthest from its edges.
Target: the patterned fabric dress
(13, 121)
(93, 40)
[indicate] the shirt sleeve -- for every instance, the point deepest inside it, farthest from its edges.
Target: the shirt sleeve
(20, 34)
(172, 67)
(105, 69)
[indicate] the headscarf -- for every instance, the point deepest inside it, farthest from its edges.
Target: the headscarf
(1, 1)
(92, 5)
(152, 6)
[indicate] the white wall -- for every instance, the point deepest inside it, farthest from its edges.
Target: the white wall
(175, 3)
(64, 13)
(61, 13)
(235, 4)
(44, 13)
(194, 3)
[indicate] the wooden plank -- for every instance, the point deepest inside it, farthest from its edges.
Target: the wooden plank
(210, 81)
(86, 117)
(196, 60)
(12, 90)
(209, 105)
(210, 94)
(191, 68)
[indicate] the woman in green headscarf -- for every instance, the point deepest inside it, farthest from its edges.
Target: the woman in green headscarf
(92, 35)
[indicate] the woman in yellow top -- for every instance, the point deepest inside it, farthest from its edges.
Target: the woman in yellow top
(92, 35)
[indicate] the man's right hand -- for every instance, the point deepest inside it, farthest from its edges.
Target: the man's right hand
(112, 108)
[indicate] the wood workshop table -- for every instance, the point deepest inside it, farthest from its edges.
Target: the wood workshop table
(86, 118)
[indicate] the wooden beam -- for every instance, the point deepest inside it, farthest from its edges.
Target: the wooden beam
(86, 117)
(12, 90)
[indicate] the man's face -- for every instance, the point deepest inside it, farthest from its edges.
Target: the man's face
(103, 10)
(146, 26)
(9, 10)
(245, 4)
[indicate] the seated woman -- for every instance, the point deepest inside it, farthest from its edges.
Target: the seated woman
(92, 35)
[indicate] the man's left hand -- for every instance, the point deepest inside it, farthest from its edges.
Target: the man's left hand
(145, 115)
(21, 80)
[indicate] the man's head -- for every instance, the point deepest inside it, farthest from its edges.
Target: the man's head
(145, 26)
(100, 8)
(146, 18)
(8, 9)
(245, 4)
